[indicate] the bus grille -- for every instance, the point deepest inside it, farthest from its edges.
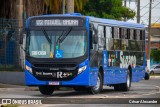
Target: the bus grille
(55, 65)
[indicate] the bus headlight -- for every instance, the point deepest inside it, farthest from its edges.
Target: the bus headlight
(82, 69)
(29, 69)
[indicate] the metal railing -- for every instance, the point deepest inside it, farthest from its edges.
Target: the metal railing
(8, 42)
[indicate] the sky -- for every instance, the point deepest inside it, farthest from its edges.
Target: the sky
(144, 11)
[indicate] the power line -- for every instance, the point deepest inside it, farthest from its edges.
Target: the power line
(144, 6)
(156, 21)
(151, 9)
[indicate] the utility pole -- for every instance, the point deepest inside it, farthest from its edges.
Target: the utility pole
(138, 11)
(70, 6)
(19, 62)
(63, 6)
(125, 5)
(149, 36)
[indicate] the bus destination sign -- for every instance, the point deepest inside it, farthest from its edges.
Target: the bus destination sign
(58, 22)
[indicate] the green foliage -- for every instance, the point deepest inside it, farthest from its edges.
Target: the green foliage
(155, 55)
(111, 9)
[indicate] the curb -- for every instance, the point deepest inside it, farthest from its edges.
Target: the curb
(20, 89)
(155, 77)
(12, 89)
(9, 87)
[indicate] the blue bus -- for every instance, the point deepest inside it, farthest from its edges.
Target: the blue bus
(83, 52)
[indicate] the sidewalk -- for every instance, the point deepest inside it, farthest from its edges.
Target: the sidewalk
(8, 87)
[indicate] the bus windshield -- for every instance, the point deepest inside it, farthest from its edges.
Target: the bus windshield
(43, 44)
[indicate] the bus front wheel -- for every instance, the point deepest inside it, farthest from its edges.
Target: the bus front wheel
(46, 89)
(97, 88)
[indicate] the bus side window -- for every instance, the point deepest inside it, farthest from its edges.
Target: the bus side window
(101, 38)
(125, 34)
(124, 39)
(131, 40)
(109, 38)
(117, 40)
(122, 33)
(131, 34)
(138, 41)
(93, 37)
(138, 35)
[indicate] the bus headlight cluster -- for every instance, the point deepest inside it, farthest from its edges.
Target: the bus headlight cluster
(29, 69)
(82, 69)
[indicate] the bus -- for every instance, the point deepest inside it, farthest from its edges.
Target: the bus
(83, 52)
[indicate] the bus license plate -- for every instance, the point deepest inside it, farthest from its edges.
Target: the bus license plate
(53, 83)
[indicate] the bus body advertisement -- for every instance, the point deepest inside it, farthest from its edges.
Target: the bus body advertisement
(83, 52)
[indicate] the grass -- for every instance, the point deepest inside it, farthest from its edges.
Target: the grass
(10, 105)
(154, 74)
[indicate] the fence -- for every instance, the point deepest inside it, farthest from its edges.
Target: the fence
(8, 44)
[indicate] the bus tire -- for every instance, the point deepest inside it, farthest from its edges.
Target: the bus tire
(46, 89)
(146, 76)
(124, 86)
(98, 88)
(117, 87)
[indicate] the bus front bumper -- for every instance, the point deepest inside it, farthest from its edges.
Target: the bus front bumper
(86, 78)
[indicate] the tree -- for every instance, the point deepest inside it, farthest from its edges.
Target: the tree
(155, 55)
(55, 6)
(112, 9)
(79, 5)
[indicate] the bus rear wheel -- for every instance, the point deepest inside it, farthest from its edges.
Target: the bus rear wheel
(146, 77)
(124, 86)
(98, 88)
(46, 89)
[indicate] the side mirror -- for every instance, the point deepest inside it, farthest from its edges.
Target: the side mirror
(22, 34)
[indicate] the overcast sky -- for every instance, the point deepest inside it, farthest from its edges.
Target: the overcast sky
(144, 12)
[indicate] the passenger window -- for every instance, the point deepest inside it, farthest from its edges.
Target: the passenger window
(116, 32)
(138, 35)
(131, 34)
(125, 33)
(101, 37)
(125, 44)
(109, 41)
(141, 35)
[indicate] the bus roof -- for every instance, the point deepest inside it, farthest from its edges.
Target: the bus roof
(117, 23)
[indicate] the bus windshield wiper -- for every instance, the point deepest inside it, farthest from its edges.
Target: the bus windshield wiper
(46, 35)
(63, 36)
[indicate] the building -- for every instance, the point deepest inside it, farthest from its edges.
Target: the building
(154, 39)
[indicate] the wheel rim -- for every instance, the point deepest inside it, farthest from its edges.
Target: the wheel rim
(128, 81)
(98, 84)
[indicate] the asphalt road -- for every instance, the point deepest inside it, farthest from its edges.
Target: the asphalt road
(141, 90)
